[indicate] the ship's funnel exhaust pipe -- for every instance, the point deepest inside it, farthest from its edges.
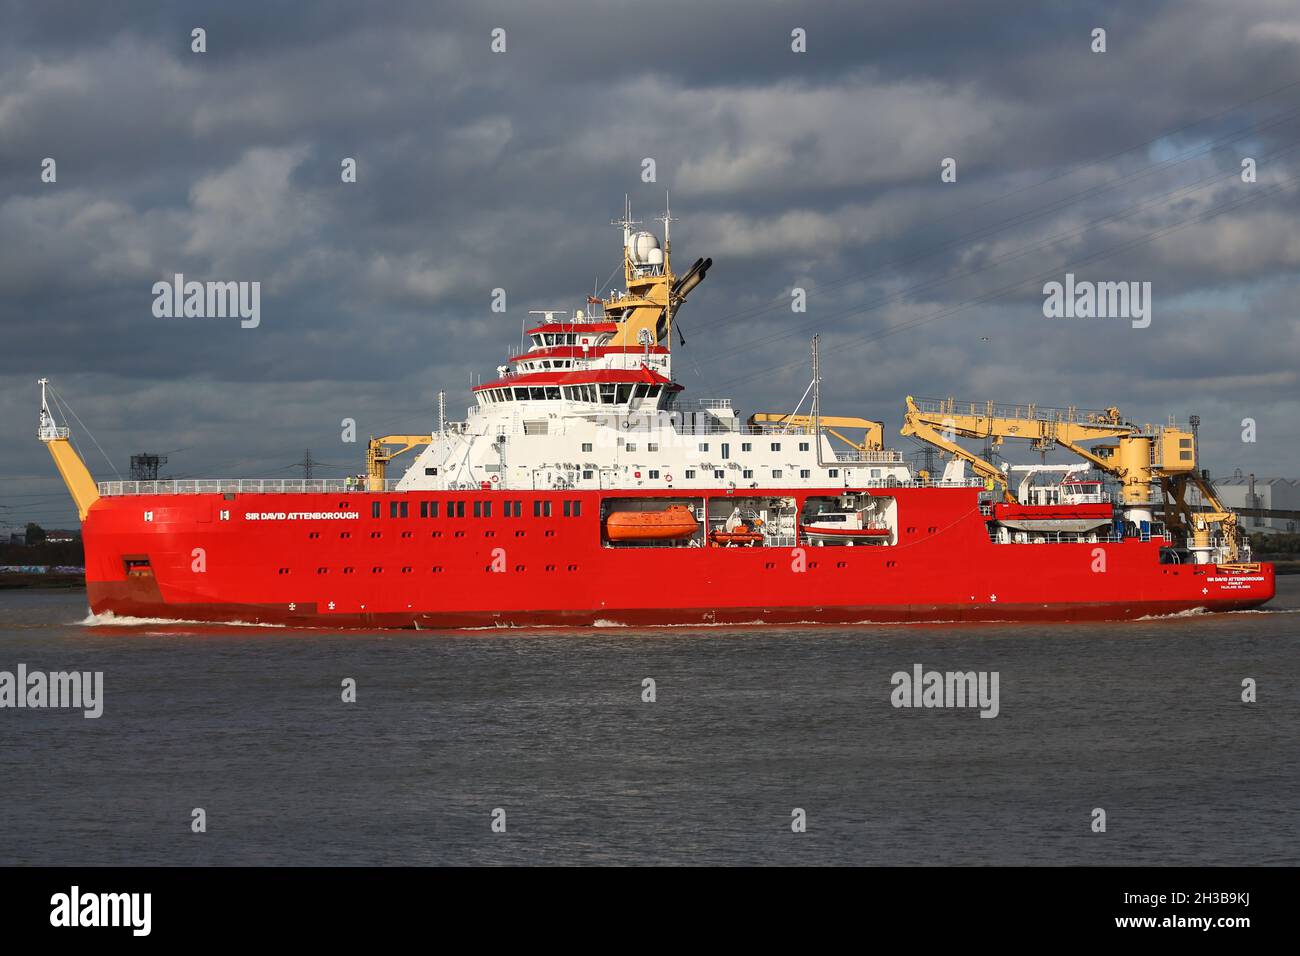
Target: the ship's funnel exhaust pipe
(681, 288)
(694, 276)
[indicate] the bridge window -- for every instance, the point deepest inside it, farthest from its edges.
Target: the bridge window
(624, 394)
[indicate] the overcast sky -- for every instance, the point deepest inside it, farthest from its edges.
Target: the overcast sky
(479, 170)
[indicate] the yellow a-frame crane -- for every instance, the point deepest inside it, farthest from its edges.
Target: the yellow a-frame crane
(1139, 456)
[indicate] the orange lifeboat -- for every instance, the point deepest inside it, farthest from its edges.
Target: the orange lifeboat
(741, 535)
(671, 524)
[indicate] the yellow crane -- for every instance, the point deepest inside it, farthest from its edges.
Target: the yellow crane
(381, 451)
(1138, 456)
(873, 433)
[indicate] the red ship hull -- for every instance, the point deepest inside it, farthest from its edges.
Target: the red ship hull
(321, 559)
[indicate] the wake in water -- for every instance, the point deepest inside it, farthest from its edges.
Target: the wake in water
(109, 619)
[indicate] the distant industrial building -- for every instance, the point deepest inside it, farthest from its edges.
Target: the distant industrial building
(1268, 494)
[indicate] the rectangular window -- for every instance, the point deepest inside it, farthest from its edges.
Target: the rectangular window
(568, 509)
(631, 446)
(654, 473)
(805, 473)
(776, 446)
(717, 474)
(586, 475)
(776, 472)
(747, 473)
(690, 472)
(541, 509)
(478, 509)
(726, 450)
(577, 509)
(746, 446)
(586, 446)
(652, 446)
(374, 509)
(431, 471)
(834, 472)
(803, 446)
(424, 509)
(704, 446)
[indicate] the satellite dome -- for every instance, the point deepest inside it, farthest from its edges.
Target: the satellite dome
(639, 246)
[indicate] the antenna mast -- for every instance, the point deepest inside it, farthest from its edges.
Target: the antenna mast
(817, 397)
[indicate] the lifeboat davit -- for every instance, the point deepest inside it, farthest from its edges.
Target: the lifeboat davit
(671, 524)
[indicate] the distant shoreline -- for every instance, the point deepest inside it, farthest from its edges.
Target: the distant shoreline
(14, 582)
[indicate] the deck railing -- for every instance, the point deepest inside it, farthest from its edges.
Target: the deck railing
(245, 486)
